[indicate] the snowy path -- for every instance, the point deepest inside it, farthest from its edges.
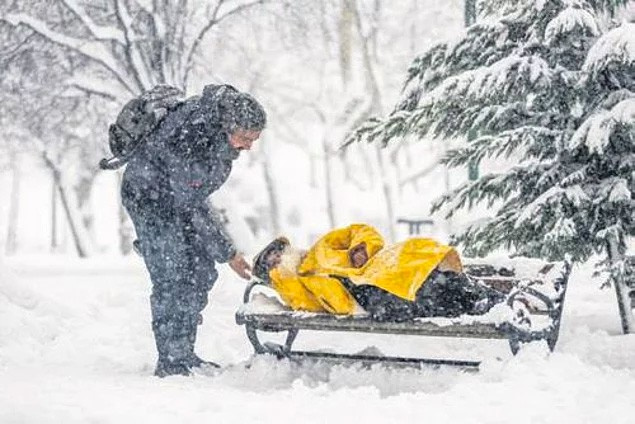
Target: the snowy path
(76, 346)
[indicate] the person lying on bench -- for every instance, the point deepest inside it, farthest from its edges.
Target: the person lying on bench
(351, 267)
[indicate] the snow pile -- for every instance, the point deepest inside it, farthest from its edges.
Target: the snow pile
(28, 321)
(97, 365)
(45, 317)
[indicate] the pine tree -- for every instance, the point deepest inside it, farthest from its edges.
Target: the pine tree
(602, 153)
(532, 82)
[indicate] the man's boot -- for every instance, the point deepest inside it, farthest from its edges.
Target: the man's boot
(194, 361)
(167, 368)
(173, 346)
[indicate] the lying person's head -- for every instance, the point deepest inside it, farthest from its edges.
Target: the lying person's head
(358, 255)
(270, 257)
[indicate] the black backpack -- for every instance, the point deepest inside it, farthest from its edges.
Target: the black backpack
(137, 120)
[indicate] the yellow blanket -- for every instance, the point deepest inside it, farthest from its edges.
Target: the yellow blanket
(400, 269)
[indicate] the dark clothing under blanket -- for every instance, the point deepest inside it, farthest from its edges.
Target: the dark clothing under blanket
(444, 294)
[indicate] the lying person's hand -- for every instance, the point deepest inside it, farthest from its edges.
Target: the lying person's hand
(240, 266)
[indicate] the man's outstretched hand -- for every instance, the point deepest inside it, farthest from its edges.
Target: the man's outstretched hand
(240, 266)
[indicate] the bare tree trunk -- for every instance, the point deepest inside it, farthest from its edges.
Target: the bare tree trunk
(54, 230)
(83, 192)
(371, 78)
(345, 49)
(446, 180)
(394, 163)
(74, 222)
(273, 198)
(414, 39)
(469, 18)
(469, 12)
(621, 288)
(387, 191)
(11, 245)
(373, 87)
(80, 238)
(330, 209)
(326, 35)
(314, 170)
(373, 35)
(345, 33)
(125, 236)
(274, 206)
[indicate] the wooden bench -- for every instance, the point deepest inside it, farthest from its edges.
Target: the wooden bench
(546, 284)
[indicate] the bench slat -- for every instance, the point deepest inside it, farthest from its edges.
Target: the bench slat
(327, 322)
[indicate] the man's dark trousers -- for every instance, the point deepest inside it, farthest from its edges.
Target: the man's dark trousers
(181, 279)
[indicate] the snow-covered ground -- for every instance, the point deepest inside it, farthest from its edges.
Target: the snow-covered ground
(76, 346)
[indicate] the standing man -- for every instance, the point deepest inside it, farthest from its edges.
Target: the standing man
(165, 189)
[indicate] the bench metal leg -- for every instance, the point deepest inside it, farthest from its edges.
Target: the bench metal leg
(269, 347)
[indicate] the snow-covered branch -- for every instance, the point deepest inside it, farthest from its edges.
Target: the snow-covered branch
(571, 19)
(596, 131)
(98, 31)
(93, 50)
(501, 78)
(504, 144)
(136, 64)
(555, 195)
(615, 47)
(214, 20)
(93, 90)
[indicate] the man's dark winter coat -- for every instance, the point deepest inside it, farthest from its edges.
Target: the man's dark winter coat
(165, 189)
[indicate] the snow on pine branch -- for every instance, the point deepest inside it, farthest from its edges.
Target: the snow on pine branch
(615, 232)
(425, 68)
(553, 196)
(513, 75)
(610, 6)
(499, 8)
(613, 190)
(576, 177)
(596, 131)
(375, 129)
(488, 117)
(616, 47)
(573, 19)
(564, 228)
(501, 144)
(620, 191)
(494, 7)
(491, 187)
(485, 43)
(468, 194)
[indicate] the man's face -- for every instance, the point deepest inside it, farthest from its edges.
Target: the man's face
(358, 255)
(243, 139)
(274, 259)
